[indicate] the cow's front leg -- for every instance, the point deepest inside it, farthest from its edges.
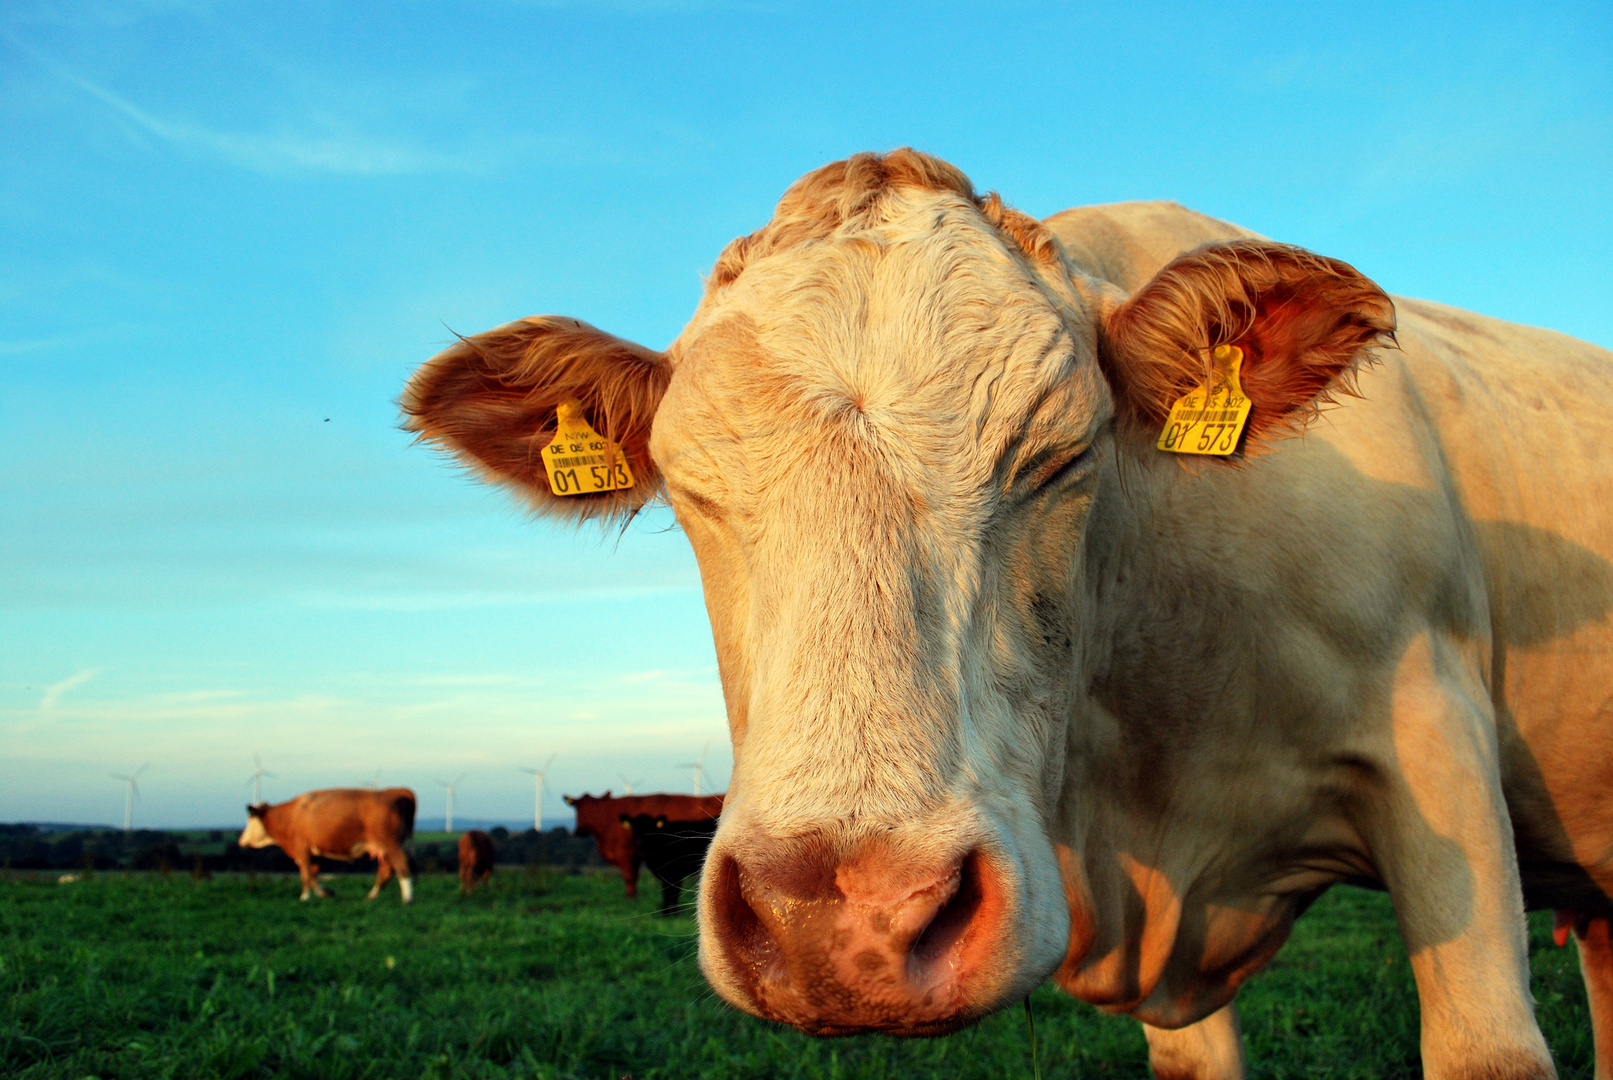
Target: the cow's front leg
(1211, 1049)
(1594, 937)
(309, 870)
(1437, 827)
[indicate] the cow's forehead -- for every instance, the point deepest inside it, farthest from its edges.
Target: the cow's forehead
(926, 330)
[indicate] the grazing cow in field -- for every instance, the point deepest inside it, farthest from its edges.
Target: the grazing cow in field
(673, 850)
(343, 824)
(476, 858)
(600, 816)
(1016, 693)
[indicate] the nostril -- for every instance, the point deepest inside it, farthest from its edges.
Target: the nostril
(947, 929)
(739, 929)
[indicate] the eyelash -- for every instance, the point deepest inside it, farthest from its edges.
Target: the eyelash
(1056, 468)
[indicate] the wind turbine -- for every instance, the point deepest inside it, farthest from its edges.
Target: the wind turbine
(537, 802)
(256, 779)
(627, 785)
(699, 767)
(128, 799)
(374, 783)
(448, 822)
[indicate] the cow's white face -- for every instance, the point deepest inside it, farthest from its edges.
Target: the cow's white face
(883, 432)
(883, 452)
(254, 835)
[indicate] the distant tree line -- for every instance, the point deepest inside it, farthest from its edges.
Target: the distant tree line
(30, 847)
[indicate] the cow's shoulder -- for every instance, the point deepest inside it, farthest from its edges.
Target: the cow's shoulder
(1129, 242)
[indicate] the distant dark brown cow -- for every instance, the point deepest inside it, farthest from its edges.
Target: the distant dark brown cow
(600, 816)
(339, 823)
(476, 855)
(673, 850)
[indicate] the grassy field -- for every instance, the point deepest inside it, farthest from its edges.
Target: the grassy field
(144, 975)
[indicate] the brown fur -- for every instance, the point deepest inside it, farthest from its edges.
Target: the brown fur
(1303, 321)
(851, 194)
(476, 858)
(600, 816)
(491, 399)
(343, 824)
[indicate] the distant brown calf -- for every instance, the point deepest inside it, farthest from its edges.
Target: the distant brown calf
(476, 854)
(600, 816)
(339, 823)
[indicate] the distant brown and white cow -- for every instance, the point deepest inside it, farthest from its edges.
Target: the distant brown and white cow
(339, 823)
(1014, 694)
(476, 858)
(600, 816)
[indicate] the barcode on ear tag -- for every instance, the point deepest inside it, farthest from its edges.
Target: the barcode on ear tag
(581, 461)
(1210, 418)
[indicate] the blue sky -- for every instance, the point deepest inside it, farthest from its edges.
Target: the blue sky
(229, 231)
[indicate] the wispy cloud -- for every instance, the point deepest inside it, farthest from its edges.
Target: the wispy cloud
(332, 152)
(54, 692)
(63, 341)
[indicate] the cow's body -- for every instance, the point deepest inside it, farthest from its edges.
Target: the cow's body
(1416, 594)
(1014, 693)
(673, 850)
(600, 816)
(342, 824)
(476, 858)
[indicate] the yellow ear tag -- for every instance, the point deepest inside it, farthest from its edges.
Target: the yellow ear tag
(581, 461)
(1210, 418)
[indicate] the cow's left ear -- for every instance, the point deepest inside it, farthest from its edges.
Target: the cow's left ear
(1303, 321)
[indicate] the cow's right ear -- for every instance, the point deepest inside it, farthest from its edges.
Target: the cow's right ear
(256, 809)
(568, 800)
(491, 400)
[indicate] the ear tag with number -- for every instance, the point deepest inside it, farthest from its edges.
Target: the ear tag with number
(1210, 418)
(581, 461)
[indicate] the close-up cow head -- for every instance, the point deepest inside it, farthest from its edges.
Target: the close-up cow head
(886, 432)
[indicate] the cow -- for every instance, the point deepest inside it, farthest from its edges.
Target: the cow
(476, 858)
(339, 823)
(1014, 693)
(600, 816)
(673, 850)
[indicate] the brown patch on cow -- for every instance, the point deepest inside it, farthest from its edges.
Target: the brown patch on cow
(853, 194)
(1304, 322)
(491, 400)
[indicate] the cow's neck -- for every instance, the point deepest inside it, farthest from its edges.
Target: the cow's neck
(1162, 682)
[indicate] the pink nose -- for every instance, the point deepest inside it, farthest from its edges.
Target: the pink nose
(859, 944)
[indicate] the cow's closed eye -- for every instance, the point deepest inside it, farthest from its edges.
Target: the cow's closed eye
(1057, 467)
(706, 507)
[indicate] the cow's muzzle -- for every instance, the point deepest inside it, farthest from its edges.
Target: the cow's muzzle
(872, 942)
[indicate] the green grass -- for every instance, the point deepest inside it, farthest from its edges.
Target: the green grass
(139, 975)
